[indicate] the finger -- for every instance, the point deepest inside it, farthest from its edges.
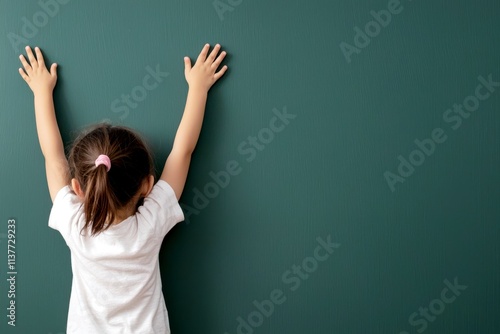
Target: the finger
(203, 54)
(39, 56)
(219, 59)
(187, 65)
(26, 65)
(53, 70)
(24, 75)
(32, 58)
(220, 73)
(214, 52)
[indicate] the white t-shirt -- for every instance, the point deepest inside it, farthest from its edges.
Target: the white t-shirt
(116, 285)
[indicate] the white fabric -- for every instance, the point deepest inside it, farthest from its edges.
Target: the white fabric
(116, 285)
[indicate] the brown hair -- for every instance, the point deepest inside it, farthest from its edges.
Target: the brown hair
(107, 192)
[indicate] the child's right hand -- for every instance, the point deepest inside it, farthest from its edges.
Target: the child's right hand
(202, 75)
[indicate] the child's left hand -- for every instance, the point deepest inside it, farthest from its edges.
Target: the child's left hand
(36, 75)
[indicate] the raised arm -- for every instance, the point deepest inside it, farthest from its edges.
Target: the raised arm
(42, 83)
(200, 78)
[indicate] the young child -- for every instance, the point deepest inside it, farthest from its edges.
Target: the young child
(107, 207)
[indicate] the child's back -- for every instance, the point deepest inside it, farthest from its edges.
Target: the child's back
(116, 278)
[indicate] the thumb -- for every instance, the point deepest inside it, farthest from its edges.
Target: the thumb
(187, 65)
(53, 70)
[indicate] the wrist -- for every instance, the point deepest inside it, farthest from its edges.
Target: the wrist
(42, 92)
(198, 90)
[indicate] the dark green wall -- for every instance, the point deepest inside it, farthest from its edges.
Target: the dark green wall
(323, 174)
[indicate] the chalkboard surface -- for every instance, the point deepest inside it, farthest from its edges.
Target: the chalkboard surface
(346, 177)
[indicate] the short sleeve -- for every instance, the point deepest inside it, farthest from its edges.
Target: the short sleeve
(66, 212)
(161, 210)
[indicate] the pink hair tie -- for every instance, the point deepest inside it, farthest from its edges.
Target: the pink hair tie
(103, 160)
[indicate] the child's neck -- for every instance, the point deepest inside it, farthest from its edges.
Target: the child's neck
(124, 213)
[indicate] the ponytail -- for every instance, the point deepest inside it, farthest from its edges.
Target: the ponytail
(100, 204)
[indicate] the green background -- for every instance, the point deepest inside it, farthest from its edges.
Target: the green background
(322, 175)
